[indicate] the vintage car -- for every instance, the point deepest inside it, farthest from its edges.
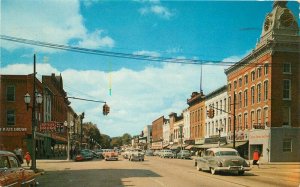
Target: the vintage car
(125, 154)
(11, 172)
(167, 153)
(84, 154)
(136, 154)
(184, 154)
(222, 159)
(111, 155)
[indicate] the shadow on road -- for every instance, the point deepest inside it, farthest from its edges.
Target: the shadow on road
(92, 177)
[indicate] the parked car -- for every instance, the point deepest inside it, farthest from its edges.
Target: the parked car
(111, 155)
(99, 152)
(84, 154)
(167, 153)
(156, 153)
(222, 159)
(184, 154)
(12, 173)
(149, 152)
(125, 154)
(136, 154)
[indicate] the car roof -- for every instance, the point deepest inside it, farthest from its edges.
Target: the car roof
(222, 149)
(6, 153)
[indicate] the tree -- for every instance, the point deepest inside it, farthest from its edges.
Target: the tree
(92, 134)
(106, 140)
(126, 139)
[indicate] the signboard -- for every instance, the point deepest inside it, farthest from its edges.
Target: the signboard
(52, 126)
(12, 129)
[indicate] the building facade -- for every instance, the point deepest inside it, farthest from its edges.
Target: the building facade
(264, 88)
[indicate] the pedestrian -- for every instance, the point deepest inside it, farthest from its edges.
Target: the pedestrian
(18, 152)
(256, 156)
(27, 158)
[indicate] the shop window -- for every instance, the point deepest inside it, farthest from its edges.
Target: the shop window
(287, 145)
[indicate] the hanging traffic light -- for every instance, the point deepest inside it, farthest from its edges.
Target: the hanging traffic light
(211, 113)
(105, 109)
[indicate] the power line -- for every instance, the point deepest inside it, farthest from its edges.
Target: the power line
(115, 54)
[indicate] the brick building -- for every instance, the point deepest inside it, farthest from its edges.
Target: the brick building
(16, 120)
(197, 117)
(264, 86)
(157, 133)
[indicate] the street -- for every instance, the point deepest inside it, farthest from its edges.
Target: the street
(155, 171)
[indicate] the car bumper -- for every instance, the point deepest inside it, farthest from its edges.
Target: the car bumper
(233, 168)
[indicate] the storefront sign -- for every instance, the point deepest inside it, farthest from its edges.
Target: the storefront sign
(13, 129)
(52, 126)
(199, 141)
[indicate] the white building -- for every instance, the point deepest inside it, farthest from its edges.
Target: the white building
(166, 133)
(218, 101)
(186, 125)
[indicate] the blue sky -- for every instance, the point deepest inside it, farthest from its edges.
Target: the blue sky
(142, 91)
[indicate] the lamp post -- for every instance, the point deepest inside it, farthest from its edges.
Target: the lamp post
(37, 99)
(180, 131)
(81, 133)
(69, 131)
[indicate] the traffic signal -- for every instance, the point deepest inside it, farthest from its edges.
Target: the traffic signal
(105, 109)
(211, 113)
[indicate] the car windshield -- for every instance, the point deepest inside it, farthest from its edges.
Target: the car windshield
(227, 153)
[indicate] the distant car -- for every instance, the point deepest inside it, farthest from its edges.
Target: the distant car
(84, 154)
(184, 154)
(125, 154)
(99, 152)
(11, 172)
(111, 155)
(156, 153)
(222, 159)
(149, 152)
(167, 153)
(136, 154)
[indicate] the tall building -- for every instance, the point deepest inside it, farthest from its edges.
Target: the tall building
(264, 89)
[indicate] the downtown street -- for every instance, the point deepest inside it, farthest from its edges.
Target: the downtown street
(155, 171)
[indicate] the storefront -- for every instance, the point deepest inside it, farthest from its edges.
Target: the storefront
(259, 139)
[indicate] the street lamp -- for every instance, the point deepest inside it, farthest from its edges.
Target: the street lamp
(37, 99)
(69, 131)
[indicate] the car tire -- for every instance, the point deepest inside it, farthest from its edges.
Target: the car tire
(241, 172)
(212, 171)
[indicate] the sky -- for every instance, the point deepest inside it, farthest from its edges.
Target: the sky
(141, 90)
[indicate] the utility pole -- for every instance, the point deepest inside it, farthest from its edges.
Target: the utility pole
(234, 119)
(81, 133)
(33, 155)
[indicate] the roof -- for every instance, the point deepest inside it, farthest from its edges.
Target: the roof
(6, 152)
(222, 149)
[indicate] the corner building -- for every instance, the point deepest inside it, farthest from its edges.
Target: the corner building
(265, 88)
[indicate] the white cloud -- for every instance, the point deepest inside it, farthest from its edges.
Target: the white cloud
(138, 97)
(147, 53)
(50, 21)
(158, 10)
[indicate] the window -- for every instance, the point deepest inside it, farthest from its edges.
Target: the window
(252, 95)
(245, 98)
(286, 116)
(246, 79)
(13, 162)
(240, 82)
(229, 87)
(10, 117)
(258, 72)
(229, 124)
(287, 145)
(10, 93)
(240, 100)
(229, 104)
(286, 89)
(258, 115)
(217, 106)
(234, 84)
(252, 75)
(266, 69)
(246, 121)
(266, 116)
(252, 119)
(225, 109)
(287, 68)
(258, 93)
(221, 107)
(266, 84)
(240, 122)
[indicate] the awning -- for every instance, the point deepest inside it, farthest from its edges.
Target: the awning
(237, 144)
(174, 146)
(189, 147)
(207, 146)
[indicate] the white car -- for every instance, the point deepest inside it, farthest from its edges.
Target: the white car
(222, 159)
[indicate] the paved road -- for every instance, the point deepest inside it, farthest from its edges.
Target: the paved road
(158, 172)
